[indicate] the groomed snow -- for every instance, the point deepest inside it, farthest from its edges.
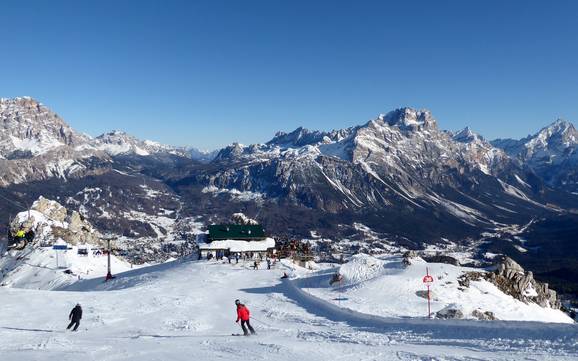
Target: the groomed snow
(43, 268)
(185, 311)
(384, 287)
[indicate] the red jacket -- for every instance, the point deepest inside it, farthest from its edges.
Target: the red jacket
(242, 313)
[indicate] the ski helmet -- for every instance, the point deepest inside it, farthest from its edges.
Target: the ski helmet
(237, 302)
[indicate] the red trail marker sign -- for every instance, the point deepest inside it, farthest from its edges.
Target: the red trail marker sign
(428, 280)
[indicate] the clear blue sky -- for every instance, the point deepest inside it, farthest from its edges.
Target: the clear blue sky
(207, 73)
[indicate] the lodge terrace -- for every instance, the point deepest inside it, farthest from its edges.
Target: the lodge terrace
(226, 240)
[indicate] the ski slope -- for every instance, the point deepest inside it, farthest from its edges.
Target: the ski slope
(43, 267)
(384, 286)
(184, 310)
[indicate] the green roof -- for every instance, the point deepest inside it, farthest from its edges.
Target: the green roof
(236, 231)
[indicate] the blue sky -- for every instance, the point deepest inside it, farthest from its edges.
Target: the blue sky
(208, 73)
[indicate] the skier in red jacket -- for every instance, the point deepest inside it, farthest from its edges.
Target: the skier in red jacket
(244, 315)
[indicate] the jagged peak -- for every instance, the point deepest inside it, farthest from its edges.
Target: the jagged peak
(467, 135)
(299, 137)
(559, 126)
(21, 99)
(409, 119)
(115, 134)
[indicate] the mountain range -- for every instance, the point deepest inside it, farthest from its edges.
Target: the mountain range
(399, 178)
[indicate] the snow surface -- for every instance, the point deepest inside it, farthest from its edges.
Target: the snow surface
(384, 287)
(43, 268)
(184, 311)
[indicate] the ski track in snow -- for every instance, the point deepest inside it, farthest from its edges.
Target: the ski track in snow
(185, 311)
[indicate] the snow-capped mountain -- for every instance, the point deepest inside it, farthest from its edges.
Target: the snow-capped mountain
(552, 153)
(36, 144)
(398, 160)
(118, 143)
(399, 175)
(553, 143)
(203, 156)
(28, 129)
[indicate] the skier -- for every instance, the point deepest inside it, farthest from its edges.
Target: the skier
(268, 263)
(20, 234)
(243, 314)
(75, 317)
(255, 265)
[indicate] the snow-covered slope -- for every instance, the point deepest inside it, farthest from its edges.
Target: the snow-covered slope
(179, 311)
(43, 268)
(384, 287)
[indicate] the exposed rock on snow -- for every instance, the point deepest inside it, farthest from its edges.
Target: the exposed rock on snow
(410, 257)
(450, 312)
(465, 279)
(50, 221)
(484, 316)
(511, 278)
(242, 219)
(440, 258)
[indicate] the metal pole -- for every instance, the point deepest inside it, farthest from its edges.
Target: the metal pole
(109, 273)
(428, 295)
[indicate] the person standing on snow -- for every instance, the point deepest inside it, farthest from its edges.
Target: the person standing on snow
(243, 314)
(75, 316)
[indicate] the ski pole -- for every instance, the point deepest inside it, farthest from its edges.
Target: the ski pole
(264, 323)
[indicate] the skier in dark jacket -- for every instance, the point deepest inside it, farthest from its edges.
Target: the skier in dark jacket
(243, 314)
(75, 317)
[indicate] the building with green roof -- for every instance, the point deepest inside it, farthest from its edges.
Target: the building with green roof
(219, 232)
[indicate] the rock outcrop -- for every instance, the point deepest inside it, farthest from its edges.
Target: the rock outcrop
(242, 219)
(450, 312)
(513, 280)
(484, 316)
(50, 221)
(408, 257)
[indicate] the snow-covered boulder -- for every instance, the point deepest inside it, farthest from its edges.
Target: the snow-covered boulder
(360, 268)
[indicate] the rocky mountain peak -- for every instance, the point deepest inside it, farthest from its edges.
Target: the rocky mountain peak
(297, 138)
(467, 135)
(232, 151)
(409, 119)
(560, 130)
(119, 142)
(28, 128)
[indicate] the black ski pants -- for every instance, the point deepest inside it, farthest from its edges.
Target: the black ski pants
(243, 323)
(76, 323)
